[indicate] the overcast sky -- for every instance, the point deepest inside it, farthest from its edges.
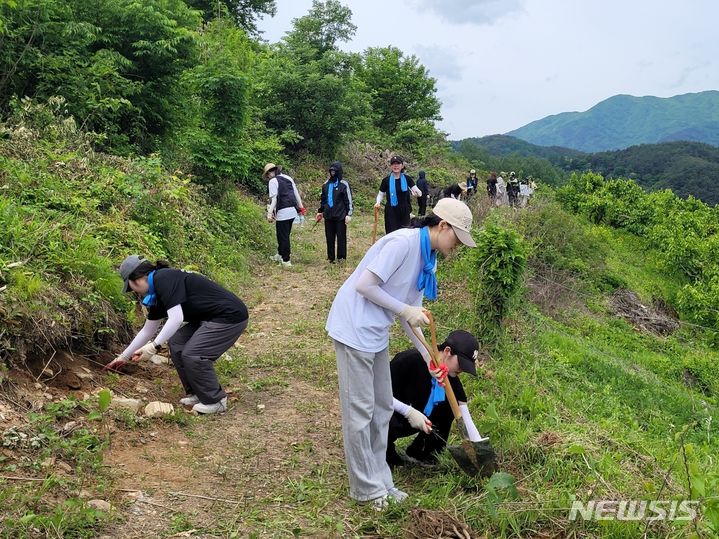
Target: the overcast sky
(501, 64)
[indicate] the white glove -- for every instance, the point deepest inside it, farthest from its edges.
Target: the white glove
(414, 316)
(145, 353)
(115, 364)
(418, 420)
(347, 219)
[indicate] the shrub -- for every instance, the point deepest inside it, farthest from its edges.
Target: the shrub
(498, 265)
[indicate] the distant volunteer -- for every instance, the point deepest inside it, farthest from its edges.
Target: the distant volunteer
(423, 186)
(213, 317)
(492, 186)
(285, 206)
(336, 209)
(398, 188)
(471, 183)
(390, 282)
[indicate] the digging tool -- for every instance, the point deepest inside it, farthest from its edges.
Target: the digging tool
(474, 458)
(374, 226)
(317, 222)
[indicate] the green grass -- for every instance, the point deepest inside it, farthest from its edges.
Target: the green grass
(579, 405)
(68, 217)
(51, 505)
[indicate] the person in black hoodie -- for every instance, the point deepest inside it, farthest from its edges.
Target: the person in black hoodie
(336, 209)
(399, 188)
(423, 186)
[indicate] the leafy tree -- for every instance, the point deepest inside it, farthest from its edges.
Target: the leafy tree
(400, 88)
(318, 32)
(222, 144)
(117, 64)
(243, 12)
(306, 86)
(419, 138)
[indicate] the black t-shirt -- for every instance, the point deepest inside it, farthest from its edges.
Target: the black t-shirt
(403, 197)
(202, 300)
(412, 382)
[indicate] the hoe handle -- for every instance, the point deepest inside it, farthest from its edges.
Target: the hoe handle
(433, 353)
(374, 226)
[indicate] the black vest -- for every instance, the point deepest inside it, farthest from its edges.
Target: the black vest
(285, 193)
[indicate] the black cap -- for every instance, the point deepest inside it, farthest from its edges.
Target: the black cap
(466, 347)
(396, 159)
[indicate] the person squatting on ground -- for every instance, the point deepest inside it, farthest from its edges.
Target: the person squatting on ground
(285, 206)
(471, 183)
(215, 318)
(423, 186)
(454, 190)
(419, 400)
(336, 209)
(389, 282)
(399, 188)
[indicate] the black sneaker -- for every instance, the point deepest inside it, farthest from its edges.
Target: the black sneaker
(417, 458)
(393, 458)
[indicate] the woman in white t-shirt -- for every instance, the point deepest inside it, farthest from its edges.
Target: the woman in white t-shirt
(389, 282)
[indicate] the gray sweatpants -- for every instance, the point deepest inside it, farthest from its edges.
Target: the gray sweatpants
(194, 349)
(366, 400)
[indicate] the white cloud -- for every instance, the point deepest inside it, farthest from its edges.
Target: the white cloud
(471, 11)
(500, 64)
(443, 64)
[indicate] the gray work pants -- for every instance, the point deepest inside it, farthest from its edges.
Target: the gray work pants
(194, 349)
(366, 399)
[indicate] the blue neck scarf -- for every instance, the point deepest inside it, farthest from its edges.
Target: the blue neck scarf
(331, 186)
(393, 187)
(150, 298)
(427, 278)
(435, 397)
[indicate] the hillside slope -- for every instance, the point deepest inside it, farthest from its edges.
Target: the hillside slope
(687, 168)
(623, 120)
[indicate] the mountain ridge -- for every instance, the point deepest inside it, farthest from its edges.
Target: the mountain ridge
(623, 120)
(685, 167)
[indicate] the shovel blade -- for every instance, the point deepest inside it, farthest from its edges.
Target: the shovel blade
(475, 458)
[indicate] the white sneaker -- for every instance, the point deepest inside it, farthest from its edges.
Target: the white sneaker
(276, 258)
(381, 503)
(190, 400)
(211, 408)
(284, 264)
(397, 495)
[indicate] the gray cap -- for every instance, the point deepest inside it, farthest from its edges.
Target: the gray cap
(129, 265)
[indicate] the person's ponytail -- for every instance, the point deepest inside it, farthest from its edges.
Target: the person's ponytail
(428, 220)
(146, 267)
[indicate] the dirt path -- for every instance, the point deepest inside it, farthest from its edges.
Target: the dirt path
(268, 465)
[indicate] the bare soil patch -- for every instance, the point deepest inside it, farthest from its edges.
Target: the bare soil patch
(659, 318)
(425, 524)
